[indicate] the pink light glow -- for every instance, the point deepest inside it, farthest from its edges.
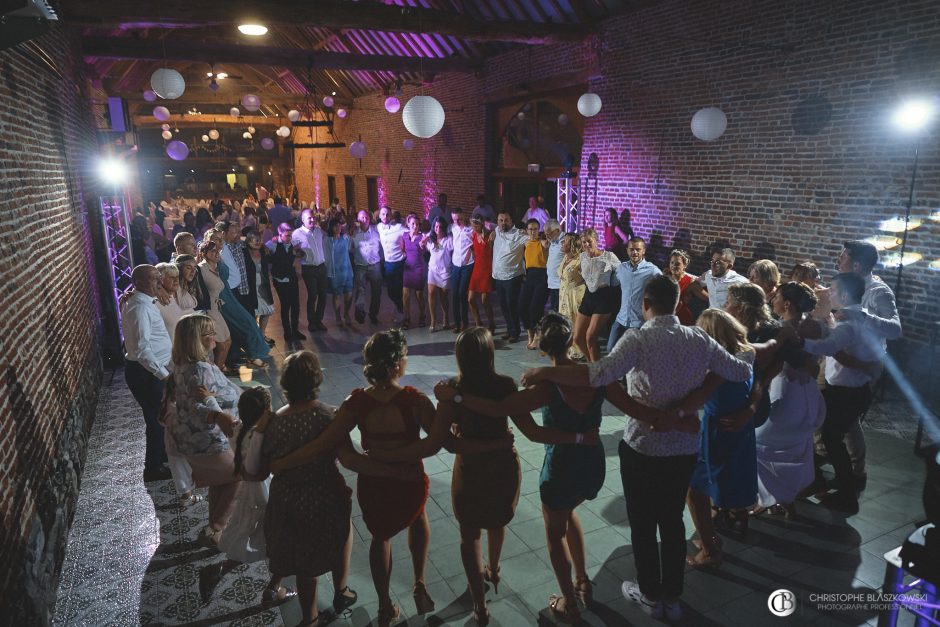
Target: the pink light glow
(428, 183)
(316, 181)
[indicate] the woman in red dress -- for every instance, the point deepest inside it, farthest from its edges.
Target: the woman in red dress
(481, 279)
(678, 262)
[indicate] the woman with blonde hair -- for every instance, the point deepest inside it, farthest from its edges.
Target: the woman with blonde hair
(807, 272)
(572, 287)
(726, 473)
(600, 300)
(766, 274)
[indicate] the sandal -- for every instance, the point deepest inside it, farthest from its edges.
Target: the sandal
(275, 596)
(704, 559)
(344, 599)
(388, 615)
(584, 590)
(257, 363)
(716, 542)
(192, 499)
(568, 613)
(482, 616)
(423, 602)
(209, 537)
(491, 576)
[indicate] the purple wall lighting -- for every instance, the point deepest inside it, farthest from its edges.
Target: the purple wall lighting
(116, 229)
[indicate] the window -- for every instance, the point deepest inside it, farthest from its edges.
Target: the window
(372, 189)
(331, 190)
(350, 192)
(538, 132)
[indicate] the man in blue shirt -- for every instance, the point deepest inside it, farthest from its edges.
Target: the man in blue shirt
(632, 277)
(278, 214)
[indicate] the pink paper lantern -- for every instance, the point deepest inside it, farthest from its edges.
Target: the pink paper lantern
(392, 104)
(161, 113)
(177, 150)
(267, 143)
(150, 95)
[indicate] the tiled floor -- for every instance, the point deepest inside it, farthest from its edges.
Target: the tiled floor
(131, 556)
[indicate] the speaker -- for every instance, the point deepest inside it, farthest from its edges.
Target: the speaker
(22, 20)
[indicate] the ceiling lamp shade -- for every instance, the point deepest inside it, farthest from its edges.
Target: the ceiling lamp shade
(161, 113)
(254, 30)
(293, 115)
(251, 102)
(205, 138)
(167, 83)
(589, 104)
(409, 144)
(246, 135)
(177, 150)
(327, 101)
(392, 104)
(149, 96)
(251, 129)
(358, 150)
(267, 143)
(342, 113)
(234, 112)
(423, 116)
(283, 132)
(166, 135)
(563, 119)
(213, 134)
(164, 127)
(709, 123)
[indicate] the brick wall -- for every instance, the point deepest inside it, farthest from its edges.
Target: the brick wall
(49, 366)
(764, 188)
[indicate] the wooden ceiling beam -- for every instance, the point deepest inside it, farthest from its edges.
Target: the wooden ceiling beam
(202, 96)
(264, 56)
(143, 121)
(336, 14)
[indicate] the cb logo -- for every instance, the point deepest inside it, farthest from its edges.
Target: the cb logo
(781, 602)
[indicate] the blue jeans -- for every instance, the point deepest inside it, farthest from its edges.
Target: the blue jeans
(148, 392)
(508, 291)
(460, 287)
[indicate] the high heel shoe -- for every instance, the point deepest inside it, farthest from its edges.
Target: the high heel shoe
(568, 613)
(423, 602)
(584, 590)
(341, 601)
(491, 576)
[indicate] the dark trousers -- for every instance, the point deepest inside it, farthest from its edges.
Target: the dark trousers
(460, 288)
(315, 280)
(534, 295)
(655, 490)
(508, 292)
(148, 392)
(245, 301)
(288, 294)
(371, 276)
(844, 407)
(394, 272)
(553, 297)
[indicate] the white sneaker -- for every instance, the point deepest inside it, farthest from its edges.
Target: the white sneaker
(672, 612)
(631, 592)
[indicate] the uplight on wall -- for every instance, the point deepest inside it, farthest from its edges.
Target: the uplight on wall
(884, 242)
(896, 224)
(253, 30)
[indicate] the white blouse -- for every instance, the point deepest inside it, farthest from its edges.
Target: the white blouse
(597, 271)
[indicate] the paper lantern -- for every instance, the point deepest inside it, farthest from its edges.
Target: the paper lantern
(161, 113)
(167, 83)
(164, 127)
(327, 101)
(234, 112)
(251, 102)
(563, 119)
(342, 113)
(392, 104)
(589, 104)
(246, 135)
(520, 116)
(205, 138)
(251, 129)
(358, 150)
(283, 131)
(408, 144)
(149, 96)
(267, 143)
(166, 135)
(709, 123)
(293, 115)
(213, 134)
(423, 116)
(177, 150)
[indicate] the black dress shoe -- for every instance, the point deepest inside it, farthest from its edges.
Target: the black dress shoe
(360, 316)
(374, 319)
(160, 473)
(841, 501)
(319, 326)
(297, 335)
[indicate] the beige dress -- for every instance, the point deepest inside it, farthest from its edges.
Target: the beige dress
(215, 286)
(570, 293)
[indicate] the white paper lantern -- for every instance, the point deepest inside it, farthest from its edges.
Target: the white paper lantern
(251, 102)
(246, 135)
(423, 116)
(164, 127)
(342, 113)
(563, 119)
(392, 104)
(293, 115)
(166, 135)
(149, 96)
(408, 144)
(267, 143)
(251, 129)
(589, 104)
(168, 83)
(283, 131)
(327, 101)
(161, 113)
(205, 138)
(234, 112)
(213, 134)
(358, 150)
(709, 123)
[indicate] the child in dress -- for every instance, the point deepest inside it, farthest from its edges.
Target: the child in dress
(242, 541)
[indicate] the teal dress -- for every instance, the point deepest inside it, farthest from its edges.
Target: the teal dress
(572, 473)
(241, 324)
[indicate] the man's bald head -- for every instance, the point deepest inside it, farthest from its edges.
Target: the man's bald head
(145, 278)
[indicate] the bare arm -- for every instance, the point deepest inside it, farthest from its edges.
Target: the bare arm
(519, 402)
(438, 432)
(324, 444)
(350, 458)
(574, 375)
(697, 289)
(551, 435)
(619, 398)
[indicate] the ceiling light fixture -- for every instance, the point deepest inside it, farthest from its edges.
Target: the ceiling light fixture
(254, 30)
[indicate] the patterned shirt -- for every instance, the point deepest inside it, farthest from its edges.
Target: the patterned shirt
(663, 361)
(367, 247)
(237, 254)
(598, 271)
(193, 434)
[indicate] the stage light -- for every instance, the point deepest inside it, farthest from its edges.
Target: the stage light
(896, 224)
(884, 242)
(895, 260)
(913, 115)
(255, 30)
(112, 171)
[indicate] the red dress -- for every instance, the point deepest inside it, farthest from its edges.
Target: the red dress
(481, 279)
(389, 505)
(682, 310)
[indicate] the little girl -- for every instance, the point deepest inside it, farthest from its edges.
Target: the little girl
(242, 541)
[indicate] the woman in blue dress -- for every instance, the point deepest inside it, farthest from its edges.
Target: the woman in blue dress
(726, 473)
(339, 271)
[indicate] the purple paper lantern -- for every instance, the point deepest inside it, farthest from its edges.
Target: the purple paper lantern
(251, 102)
(358, 150)
(392, 104)
(409, 144)
(327, 101)
(150, 95)
(267, 143)
(161, 113)
(342, 113)
(177, 150)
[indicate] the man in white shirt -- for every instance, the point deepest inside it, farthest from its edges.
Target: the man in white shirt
(555, 257)
(663, 361)
(535, 212)
(508, 271)
(367, 268)
(632, 277)
(148, 356)
(310, 239)
(713, 285)
(393, 250)
(462, 261)
(848, 391)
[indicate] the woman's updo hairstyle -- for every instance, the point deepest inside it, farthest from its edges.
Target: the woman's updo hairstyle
(301, 376)
(382, 353)
(554, 334)
(800, 296)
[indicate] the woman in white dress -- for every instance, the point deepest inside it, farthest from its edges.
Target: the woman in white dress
(211, 286)
(441, 247)
(785, 440)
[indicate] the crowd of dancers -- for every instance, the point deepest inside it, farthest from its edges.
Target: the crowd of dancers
(728, 411)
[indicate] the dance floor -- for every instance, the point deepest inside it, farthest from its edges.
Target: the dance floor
(132, 557)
